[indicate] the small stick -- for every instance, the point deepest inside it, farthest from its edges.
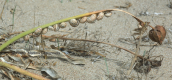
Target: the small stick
(99, 42)
(15, 68)
(3, 10)
(135, 57)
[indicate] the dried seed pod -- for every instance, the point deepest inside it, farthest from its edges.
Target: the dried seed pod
(92, 18)
(108, 14)
(62, 25)
(73, 22)
(45, 30)
(100, 16)
(83, 19)
(51, 28)
(38, 31)
(158, 34)
(26, 38)
(56, 27)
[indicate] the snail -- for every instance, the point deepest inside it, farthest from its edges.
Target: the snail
(62, 25)
(73, 22)
(92, 18)
(100, 16)
(26, 38)
(52, 39)
(38, 31)
(51, 28)
(83, 19)
(108, 14)
(45, 30)
(55, 27)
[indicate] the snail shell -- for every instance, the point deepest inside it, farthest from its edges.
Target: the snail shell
(55, 27)
(45, 30)
(100, 16)
(108, 14)
(73, 22)
(52, 39)
(51, 28)
(26, 38)
(92, 18)
(62, 25)
(83, 19)
(38, 31)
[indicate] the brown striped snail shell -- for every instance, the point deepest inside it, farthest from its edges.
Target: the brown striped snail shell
(51, 28)
(45, 30)
(92, 18)
(108, 14)
(38, 31)
(62, 25)
(56, 27)
(52, 39)
(73, 22)
(100, 16)
(26, 38)
(83, 19)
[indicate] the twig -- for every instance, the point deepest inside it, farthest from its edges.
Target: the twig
(15, 68)
(135, 57)
(3, 9)
(97, 42)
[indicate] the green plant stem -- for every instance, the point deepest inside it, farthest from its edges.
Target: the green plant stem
(32, 30)
(13, 16)
(106, 66)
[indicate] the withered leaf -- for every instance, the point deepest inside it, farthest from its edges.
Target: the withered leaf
(50, 71)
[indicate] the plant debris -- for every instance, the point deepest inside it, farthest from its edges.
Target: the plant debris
(144, 66)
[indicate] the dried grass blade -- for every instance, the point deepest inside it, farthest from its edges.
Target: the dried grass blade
(135, 57)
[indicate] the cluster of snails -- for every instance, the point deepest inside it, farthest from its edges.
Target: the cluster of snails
(73, 22)
(36, 33)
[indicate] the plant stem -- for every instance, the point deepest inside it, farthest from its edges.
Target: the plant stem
(15, 68)
(106, 66)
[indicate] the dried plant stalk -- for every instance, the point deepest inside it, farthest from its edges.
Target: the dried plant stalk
(15, 68)
(98, 42)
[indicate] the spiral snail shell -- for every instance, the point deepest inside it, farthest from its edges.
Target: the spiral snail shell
(100, 16)
(55, 27)
(45, 30)
(38, 31)
(26, 38)
(83, 19)
(73, 22)
(92, 18)
(62, 25)
(108, 14)
(51, 28)
(52, 40)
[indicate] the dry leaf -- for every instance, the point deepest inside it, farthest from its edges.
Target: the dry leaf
(51, 72)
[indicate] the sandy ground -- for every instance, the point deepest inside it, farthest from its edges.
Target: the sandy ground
(119, 25)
